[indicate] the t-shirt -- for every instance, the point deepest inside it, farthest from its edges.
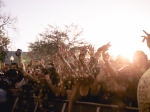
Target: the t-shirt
(14, 76)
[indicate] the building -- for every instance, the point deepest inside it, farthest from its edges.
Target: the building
(25, 57)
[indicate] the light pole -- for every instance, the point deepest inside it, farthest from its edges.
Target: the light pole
(11, 59)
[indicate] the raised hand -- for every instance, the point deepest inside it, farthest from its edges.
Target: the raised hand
(47, 78)
(102, 48)
(72, 53)
(105, 56)
(18, 53)
(105, 47)
(91, 50)
(147, 38)
(42, 61)
(62, 49)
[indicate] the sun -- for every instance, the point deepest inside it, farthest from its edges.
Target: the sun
(123, 50)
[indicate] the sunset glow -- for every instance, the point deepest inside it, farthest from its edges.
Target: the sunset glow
(119, 22)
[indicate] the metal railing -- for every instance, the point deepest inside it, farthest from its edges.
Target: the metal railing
(96, 107)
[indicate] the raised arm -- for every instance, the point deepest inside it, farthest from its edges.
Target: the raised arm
(110, 68)
(19, 55)
(27, 75)
(105, 47)
(54, 89)
(61, 51)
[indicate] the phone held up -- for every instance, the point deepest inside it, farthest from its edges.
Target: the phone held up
(18, 52)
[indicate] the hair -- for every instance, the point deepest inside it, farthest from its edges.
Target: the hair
(16, 64)
(140, 53)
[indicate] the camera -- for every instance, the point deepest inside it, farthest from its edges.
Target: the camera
(18, 52)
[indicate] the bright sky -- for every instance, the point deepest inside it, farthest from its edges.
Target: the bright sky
(119, 21)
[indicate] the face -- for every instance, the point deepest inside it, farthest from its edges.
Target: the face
(37, 71)
(13, 67)
(108, 78)
(82, 57)
(140, 62)
(30, 70)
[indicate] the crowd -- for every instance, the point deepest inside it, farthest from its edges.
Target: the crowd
(74, 77)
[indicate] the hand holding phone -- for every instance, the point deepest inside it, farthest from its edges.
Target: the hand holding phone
(18, 52)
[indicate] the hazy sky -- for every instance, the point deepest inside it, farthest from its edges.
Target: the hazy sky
(119, 21)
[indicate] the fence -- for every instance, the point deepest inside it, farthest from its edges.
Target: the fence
(61, 106)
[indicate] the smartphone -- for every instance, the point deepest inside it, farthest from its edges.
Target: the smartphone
(18, 52)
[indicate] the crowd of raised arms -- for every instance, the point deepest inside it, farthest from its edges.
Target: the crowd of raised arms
(71, 76)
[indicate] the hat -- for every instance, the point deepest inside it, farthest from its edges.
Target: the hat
(2, 96)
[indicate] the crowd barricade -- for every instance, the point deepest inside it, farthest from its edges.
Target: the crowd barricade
(78, 106)
(61, 106)
(18, 98)
(16, 95)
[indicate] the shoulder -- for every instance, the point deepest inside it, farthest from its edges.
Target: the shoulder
(125, 69)
(126, 72)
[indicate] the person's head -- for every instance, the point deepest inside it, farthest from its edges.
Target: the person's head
(14, 66)
(140, 59)
(50, 69)
(81, 56)
(108, 80)
(37, 71)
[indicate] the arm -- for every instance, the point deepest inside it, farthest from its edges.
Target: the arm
(62, 89)
(54, 89)
(110, 68)
(26, 75)
(60, 52)
(100, 49)
(16, 90)
(62, 86)
(40, 99)
(95, 88)
(73, 96)
(23, 71)
(21, 62)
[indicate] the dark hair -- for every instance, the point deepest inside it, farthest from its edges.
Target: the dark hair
(16, 64)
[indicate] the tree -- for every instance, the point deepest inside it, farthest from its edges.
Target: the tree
(6, 21)
(48, 44)
(4, 41)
